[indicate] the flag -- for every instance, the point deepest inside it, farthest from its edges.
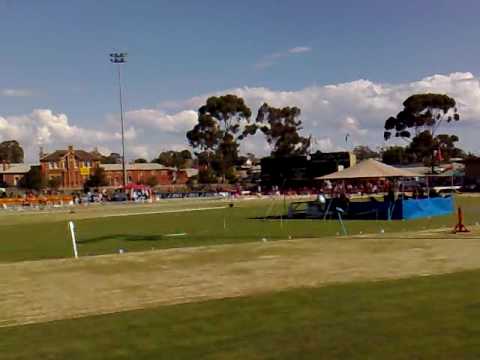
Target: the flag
(439, 155)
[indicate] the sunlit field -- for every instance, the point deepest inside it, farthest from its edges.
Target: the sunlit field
(275, 288)
(418, 318)
(104, 229)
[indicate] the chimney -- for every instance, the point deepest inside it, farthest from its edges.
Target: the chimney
(70, 148)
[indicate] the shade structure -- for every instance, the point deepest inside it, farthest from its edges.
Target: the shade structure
(369, 169)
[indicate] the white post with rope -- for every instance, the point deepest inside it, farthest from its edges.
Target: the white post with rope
(71, 226)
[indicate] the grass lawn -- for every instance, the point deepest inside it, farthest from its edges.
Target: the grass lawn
(419, 318)
(40, 236)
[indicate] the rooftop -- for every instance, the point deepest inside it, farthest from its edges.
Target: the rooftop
(15, 168)
(79, 154)
(137, 166)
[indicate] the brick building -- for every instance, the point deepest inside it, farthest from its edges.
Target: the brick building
(139, 174)
(71, 167)
(12, 174)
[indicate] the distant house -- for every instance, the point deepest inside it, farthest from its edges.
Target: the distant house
(11, 174)
(249, 173)
(71, 167)
(183, 175)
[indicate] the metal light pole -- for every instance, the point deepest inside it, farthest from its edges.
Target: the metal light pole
(119, 59)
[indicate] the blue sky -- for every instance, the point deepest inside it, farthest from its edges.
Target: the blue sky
(55, 53)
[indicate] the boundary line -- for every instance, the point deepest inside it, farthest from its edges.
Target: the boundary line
(162, 212)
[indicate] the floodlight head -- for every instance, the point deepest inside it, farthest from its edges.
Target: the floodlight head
(118, 58)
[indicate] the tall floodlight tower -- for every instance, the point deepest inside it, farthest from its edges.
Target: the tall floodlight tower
(119, 59)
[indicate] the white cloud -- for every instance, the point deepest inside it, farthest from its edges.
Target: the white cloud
(16, 92)
(42, 127)
(299, 49)
(351, 126)
(323, 144)
(152, 118)
(359, 107)
(139, 151)
(269, 60)
(329, 112)
(105, 150)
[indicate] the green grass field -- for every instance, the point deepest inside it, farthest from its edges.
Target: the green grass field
(35, 236)
(420, 318)
(434, 317)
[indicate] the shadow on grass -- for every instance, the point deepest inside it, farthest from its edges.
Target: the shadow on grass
(320, 218)
(123, 237)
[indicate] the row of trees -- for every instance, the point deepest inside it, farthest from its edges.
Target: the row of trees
(424, 149)
(417, 124)
(179, 159)
(225, 121)
(33, 180)
(419, 150)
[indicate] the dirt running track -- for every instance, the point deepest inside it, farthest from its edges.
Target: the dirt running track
(40, 291)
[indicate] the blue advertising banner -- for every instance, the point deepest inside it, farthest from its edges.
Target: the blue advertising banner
(421, 208)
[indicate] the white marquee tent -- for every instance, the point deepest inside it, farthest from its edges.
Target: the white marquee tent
(369, 169)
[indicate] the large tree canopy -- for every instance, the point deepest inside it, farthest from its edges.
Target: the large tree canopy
(113, 158)
(443, 145)
(281, 128)
(420, 150)
(421, 112)
(178, 159)
(11, 151)
(219, 129)
(396, 155)
(219, 121)
(32, 179)
(446, 144)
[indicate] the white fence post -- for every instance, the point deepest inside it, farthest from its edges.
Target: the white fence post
(74, 242)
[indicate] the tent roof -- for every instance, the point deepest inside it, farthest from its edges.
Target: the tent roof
(369, 169)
